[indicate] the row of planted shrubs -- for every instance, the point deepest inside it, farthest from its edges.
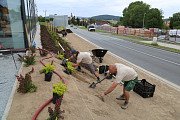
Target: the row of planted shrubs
(26, 85)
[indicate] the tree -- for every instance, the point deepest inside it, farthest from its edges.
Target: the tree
(153, 19)
(78, 21)
(134, 13)
(137, 12)
(92, 20)
(41, 19)
(51, 19)
(175, 21)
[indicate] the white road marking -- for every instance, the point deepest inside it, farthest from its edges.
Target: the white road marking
(177, 87)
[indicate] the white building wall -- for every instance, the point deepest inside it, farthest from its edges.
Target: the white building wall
(61, 20)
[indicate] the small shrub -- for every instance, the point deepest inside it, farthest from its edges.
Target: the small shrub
(55, 37)
(25, 83)
(48, 68)
(64, 42)
(56, 113)
(60, 88)
(43, 52)
(28, 60)
(33, 49)
(61, 55)
(56, 44)
(69, 67)
(51, 33)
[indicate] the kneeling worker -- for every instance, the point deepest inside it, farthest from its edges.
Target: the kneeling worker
(126, 75)
(83, 57)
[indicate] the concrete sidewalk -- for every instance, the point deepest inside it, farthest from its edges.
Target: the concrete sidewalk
(164, 44)
(8, 82)
(37, 38)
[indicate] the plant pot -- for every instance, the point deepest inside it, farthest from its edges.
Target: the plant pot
(56, 97)
(67, 72)
(101, 69)
(48, 76)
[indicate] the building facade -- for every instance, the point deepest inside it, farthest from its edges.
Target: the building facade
(17, 17)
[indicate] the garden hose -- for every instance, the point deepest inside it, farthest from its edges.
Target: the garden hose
(37, 113)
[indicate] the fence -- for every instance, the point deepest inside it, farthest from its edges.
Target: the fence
(162, 35)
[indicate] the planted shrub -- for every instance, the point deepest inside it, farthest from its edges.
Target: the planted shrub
(43, 52)
(55, 37)
(48, 68)
(59, 89)
(28, 60)
(69, 67)
(61, 54)
(56, 113)
(64, 42)
(33, 49)
(25, 83)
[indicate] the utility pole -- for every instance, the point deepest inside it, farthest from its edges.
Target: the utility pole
(143, 20)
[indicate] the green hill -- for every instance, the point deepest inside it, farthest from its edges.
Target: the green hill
(106, 17)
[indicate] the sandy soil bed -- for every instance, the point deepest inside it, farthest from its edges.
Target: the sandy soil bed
(82, 103)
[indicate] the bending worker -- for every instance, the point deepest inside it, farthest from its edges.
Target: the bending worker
(83, 57)
(126, 75)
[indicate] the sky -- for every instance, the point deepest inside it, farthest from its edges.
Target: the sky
(89, 8)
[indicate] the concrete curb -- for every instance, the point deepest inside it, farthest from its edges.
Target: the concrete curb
(176, 87)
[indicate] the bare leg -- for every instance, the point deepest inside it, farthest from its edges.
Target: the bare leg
(96, 74)
(123, 90)
(126, 96)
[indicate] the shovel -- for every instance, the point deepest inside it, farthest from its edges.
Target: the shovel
(93, 85)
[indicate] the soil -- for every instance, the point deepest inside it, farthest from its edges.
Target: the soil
(81, 102)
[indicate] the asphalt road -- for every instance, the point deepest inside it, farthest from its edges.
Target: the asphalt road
(162, 63)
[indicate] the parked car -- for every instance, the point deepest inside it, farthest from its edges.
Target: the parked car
(91, 28)
(172, 33)
(163, 37)
(75, 27)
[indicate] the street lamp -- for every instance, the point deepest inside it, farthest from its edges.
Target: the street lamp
(143, 20)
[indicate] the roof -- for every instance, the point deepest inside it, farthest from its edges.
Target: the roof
(101, 22)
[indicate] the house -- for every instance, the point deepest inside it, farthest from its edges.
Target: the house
(166, 21)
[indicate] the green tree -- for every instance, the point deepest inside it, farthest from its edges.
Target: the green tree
(92, 20)
(137, 12)
(78, 21)
(51, 19)
(175, 21)
(69, 22)
(134, 13)
(41, 19)
(166, 27)
(153, 19)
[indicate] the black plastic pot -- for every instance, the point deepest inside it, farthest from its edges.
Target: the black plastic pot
(56, 97)
(101, 69)
(48, 76)
(67, 72)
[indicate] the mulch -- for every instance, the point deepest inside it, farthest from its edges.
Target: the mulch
(48, 44)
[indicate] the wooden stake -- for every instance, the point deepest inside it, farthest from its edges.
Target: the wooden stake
(27, 35)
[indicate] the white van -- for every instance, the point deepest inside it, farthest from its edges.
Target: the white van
(172, 33)
(178, 33)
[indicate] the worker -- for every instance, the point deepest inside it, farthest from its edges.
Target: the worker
(126, 75)
(83, 57)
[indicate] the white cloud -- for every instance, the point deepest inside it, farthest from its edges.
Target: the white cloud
(90, 8)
